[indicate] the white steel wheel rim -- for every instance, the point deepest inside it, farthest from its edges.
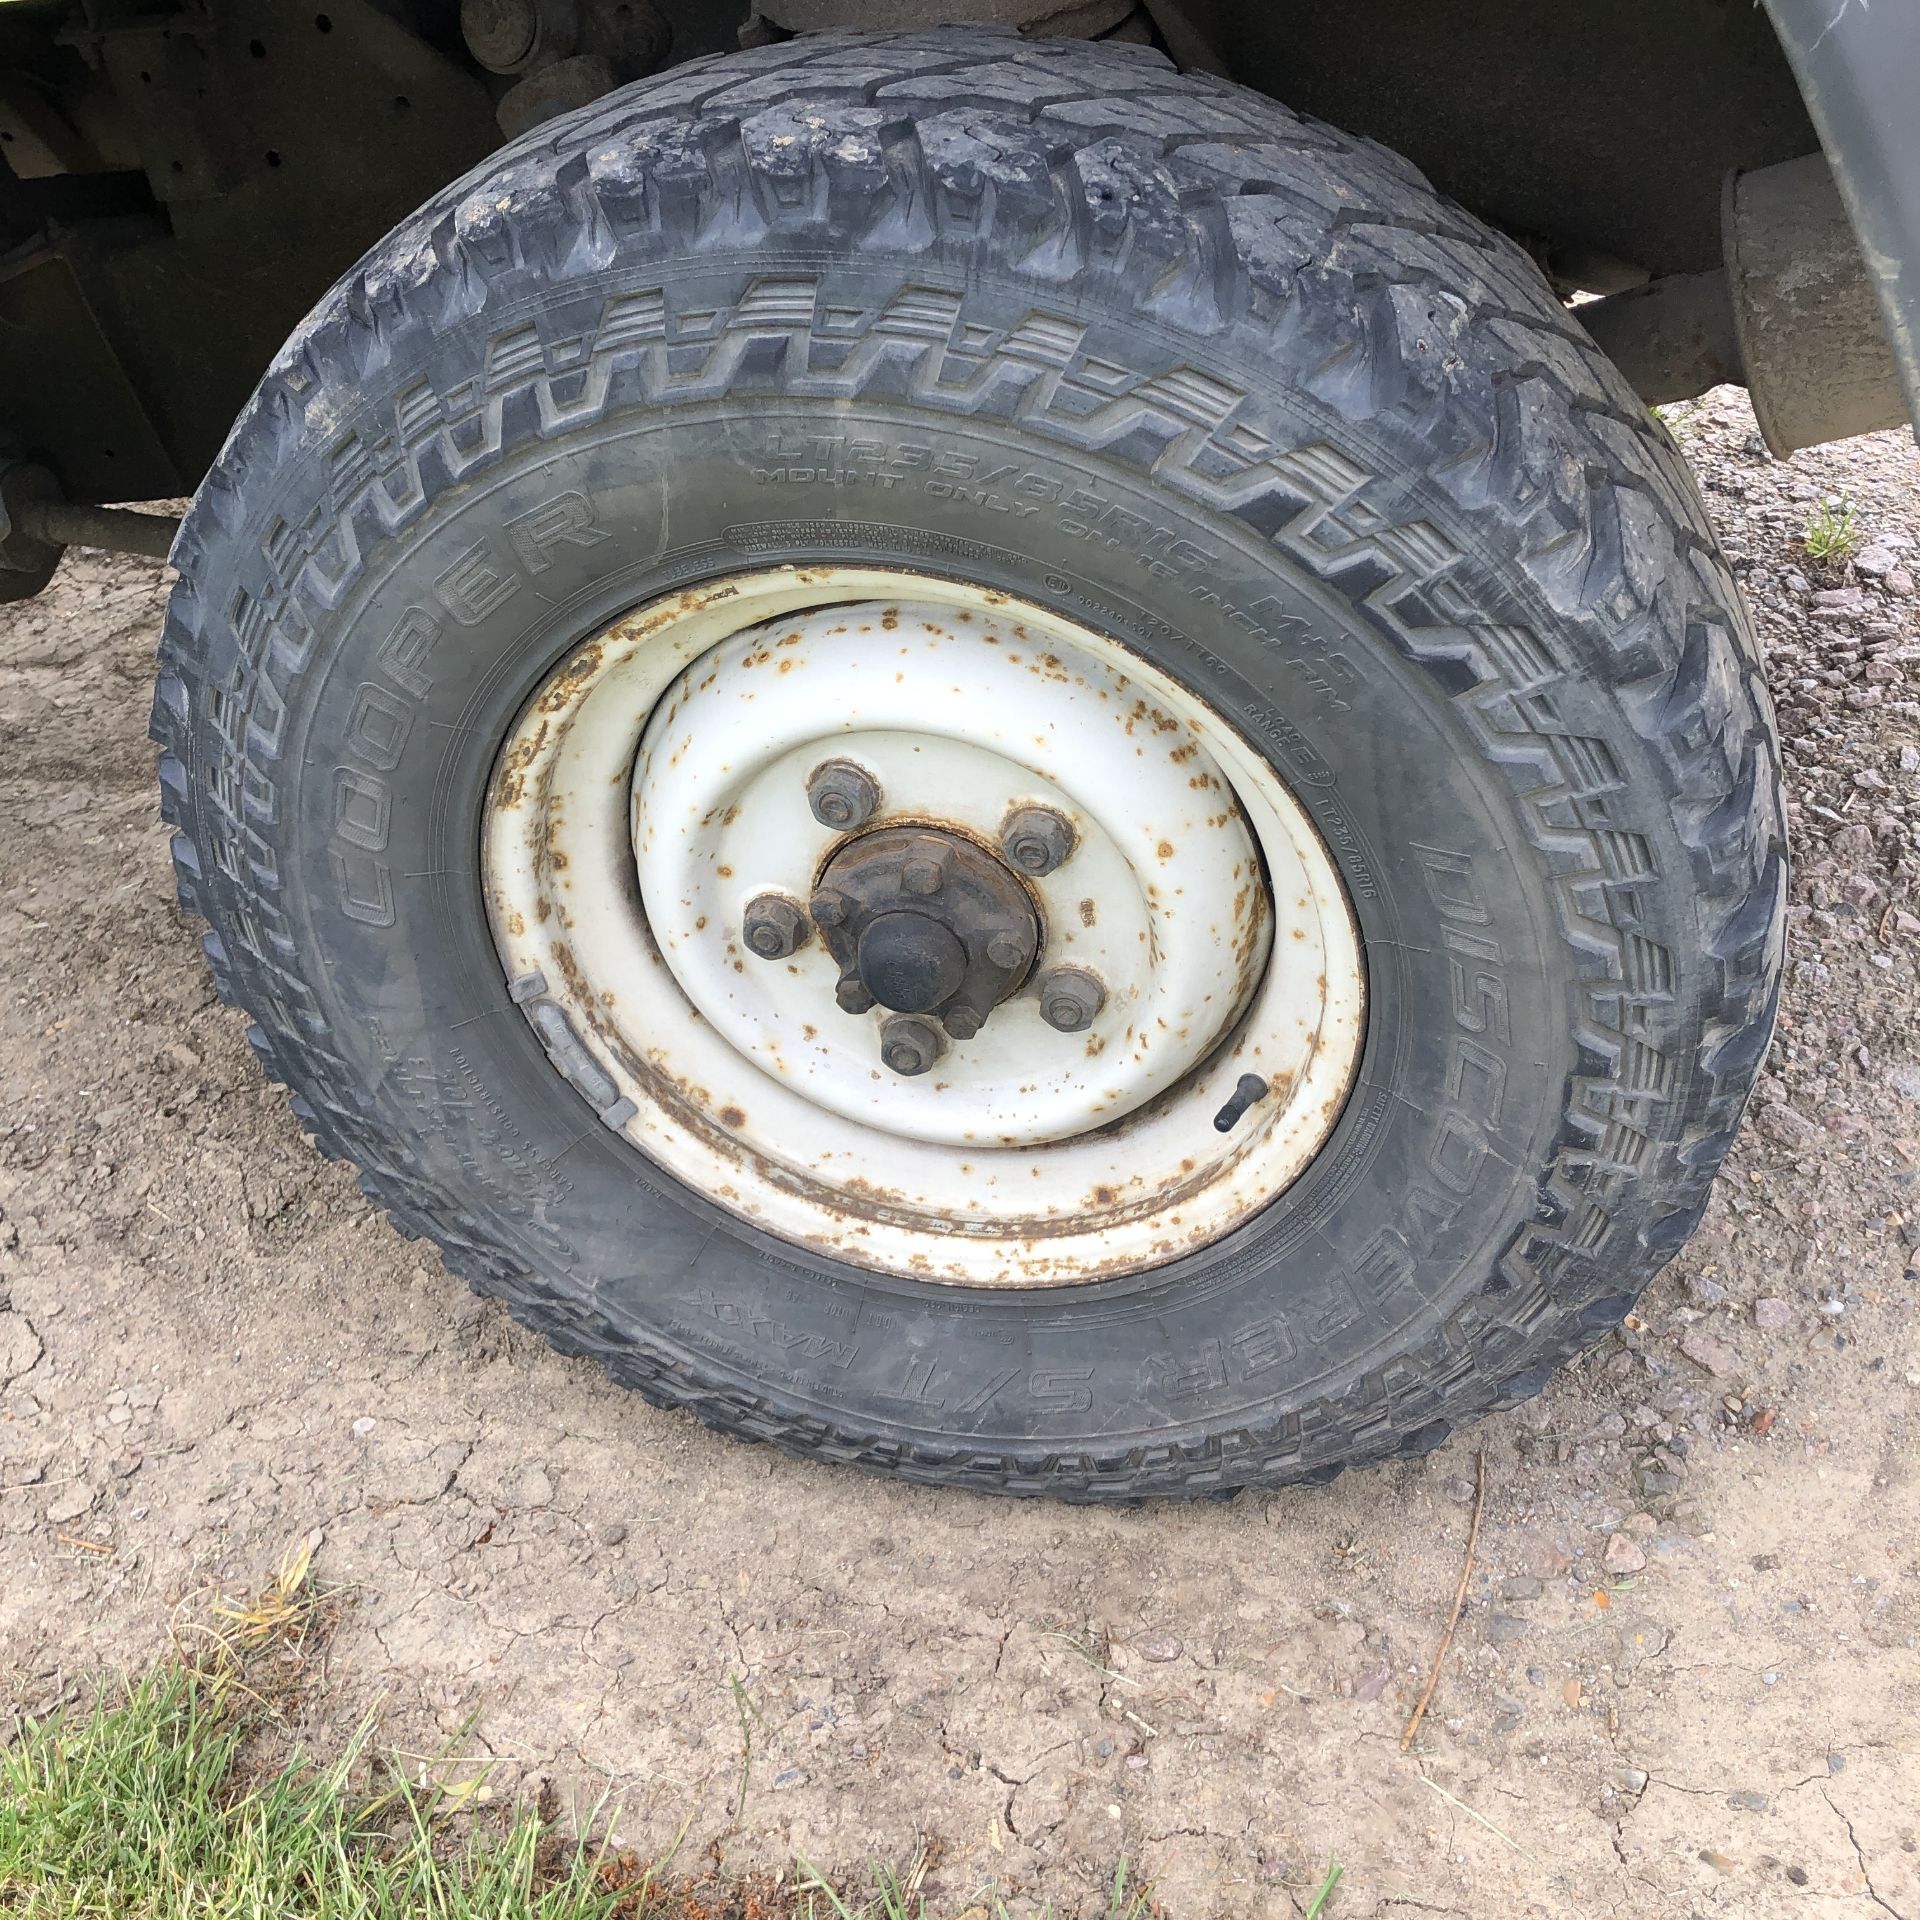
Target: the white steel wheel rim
(656, 784)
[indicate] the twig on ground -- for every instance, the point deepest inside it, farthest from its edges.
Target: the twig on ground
(1459, 1600)
(748, 1712)
(1479, 1819)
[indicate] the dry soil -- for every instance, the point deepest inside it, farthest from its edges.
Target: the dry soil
(1686, 1681)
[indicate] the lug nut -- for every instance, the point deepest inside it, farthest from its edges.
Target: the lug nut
(1071, 998)
(908, 1044)
(773, 926)
(1036, 839)
(962, 1022)
(842, 795)
(852, 994)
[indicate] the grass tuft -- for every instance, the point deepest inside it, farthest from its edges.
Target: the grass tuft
(1831, 534)
(134, 1811)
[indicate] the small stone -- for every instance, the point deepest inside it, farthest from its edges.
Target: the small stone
(1785, 1128)
(1158, 1646)
(1874, 563)
(1704, 1292)
(1772, 1314)
(1505, 1628)
(1711, 1355)
(1627, 1779)
(363, 1426)
(1372, 1682)
(1459, 1491)
(789, 1777)
(613, 1533)
(1545, 1552)
(1900, 583)
(70, 1505)
(1521, 1586)
(1622, 1555)
(1746, 1800)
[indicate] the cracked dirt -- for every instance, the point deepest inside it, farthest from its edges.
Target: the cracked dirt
(1685, 1682)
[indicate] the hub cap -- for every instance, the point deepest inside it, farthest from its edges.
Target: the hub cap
(924, 921)
(922, 927)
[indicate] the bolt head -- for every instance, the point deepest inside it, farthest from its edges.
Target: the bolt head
(842, 795)
(852, 994)
(1071, 999)
(962, 1022)
(773, 926)
(829, 908)
(1007, 951)
(1037, 839)
(909, 1045)
(921, 876)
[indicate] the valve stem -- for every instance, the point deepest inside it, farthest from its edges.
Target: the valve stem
(1251, 1088)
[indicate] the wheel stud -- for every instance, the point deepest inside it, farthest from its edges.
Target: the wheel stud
(908, 1044)
(1036, 839)
(773, 926)
(852, 994)
(1071, 998)
(842, 795)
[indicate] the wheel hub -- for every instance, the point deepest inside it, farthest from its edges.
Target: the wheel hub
(924, 921)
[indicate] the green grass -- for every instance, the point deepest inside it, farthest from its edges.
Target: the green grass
(153, 1805)
(1324, 1892)
(1831, 536)
(137, 1810)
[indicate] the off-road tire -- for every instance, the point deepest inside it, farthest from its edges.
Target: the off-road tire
(1532, 728)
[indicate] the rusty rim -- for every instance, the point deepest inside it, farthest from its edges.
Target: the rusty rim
(696, 792)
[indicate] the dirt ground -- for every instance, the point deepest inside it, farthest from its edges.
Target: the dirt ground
(1686, 1682)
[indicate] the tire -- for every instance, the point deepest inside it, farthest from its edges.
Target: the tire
(1251, 358)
